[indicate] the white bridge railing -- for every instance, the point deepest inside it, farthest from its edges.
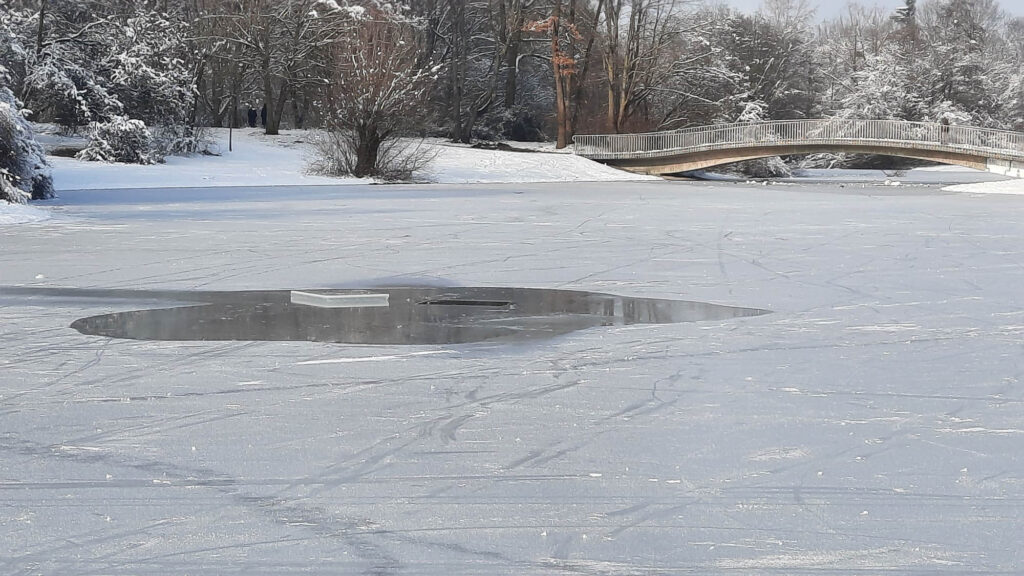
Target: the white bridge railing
(891, 133)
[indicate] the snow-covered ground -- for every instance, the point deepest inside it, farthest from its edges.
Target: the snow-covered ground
(872, 423)
(256, 159)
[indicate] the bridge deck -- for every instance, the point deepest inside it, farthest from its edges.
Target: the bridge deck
(982, 142)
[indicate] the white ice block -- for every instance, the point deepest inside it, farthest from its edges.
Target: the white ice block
(339, 300)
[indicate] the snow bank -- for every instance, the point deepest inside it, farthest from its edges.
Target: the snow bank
(20, 214)
(1015, 186)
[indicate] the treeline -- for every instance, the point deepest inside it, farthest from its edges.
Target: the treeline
(488, 69)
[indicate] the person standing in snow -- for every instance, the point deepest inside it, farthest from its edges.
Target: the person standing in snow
(252, 117)
(263, 115)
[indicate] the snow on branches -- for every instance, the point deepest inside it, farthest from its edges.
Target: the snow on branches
(24, 173)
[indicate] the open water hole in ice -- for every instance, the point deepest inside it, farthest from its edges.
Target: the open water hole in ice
(410, 315)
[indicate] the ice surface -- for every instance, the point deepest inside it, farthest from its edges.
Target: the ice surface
(20, 214)
(873, 423)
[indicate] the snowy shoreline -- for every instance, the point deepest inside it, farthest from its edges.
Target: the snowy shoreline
(258, 160)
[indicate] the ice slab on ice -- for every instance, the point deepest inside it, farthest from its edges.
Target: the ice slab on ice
(338, 300)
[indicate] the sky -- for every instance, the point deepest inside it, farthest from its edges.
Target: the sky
(831, 8)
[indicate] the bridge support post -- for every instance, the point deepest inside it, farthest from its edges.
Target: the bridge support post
(1012, 168)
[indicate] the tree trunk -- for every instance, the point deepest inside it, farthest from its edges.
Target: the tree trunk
(296, 116)
(560, 113)
(268, 90)
(458, 74)
(197, 83)
(511, 74)
(512, 57)
(41, 29)
(612, 67)
(274, 113)
(367, 151)
(578, 94)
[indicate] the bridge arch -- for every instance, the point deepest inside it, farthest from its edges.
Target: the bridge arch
(702, 147)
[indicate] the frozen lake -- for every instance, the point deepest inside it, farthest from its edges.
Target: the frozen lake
(873, 422)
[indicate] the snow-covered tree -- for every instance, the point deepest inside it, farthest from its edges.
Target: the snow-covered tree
(68, 94)
(24, 173)
(881, 91)
(88, 63)
(1013, 95)
(148, 68)
(962, 62)
(706, 82)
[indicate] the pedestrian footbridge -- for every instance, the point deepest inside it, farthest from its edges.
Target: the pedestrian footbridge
(658, 153)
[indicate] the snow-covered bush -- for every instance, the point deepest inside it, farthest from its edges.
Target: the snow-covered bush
(24, 173)
(120, 140)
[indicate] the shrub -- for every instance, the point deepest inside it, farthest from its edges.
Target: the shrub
(336, 154)
(520, 124)
(179, 140)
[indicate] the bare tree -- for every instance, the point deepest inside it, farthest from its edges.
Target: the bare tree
(638, 37)
(376, 89)
(285, 42)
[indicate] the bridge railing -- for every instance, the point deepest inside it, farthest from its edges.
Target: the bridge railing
(785, 132)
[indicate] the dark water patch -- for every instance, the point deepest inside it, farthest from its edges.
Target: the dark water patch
(412, 316)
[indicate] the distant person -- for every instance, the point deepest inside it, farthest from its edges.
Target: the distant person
(263, 115)
(945, 130)
(252, 117)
